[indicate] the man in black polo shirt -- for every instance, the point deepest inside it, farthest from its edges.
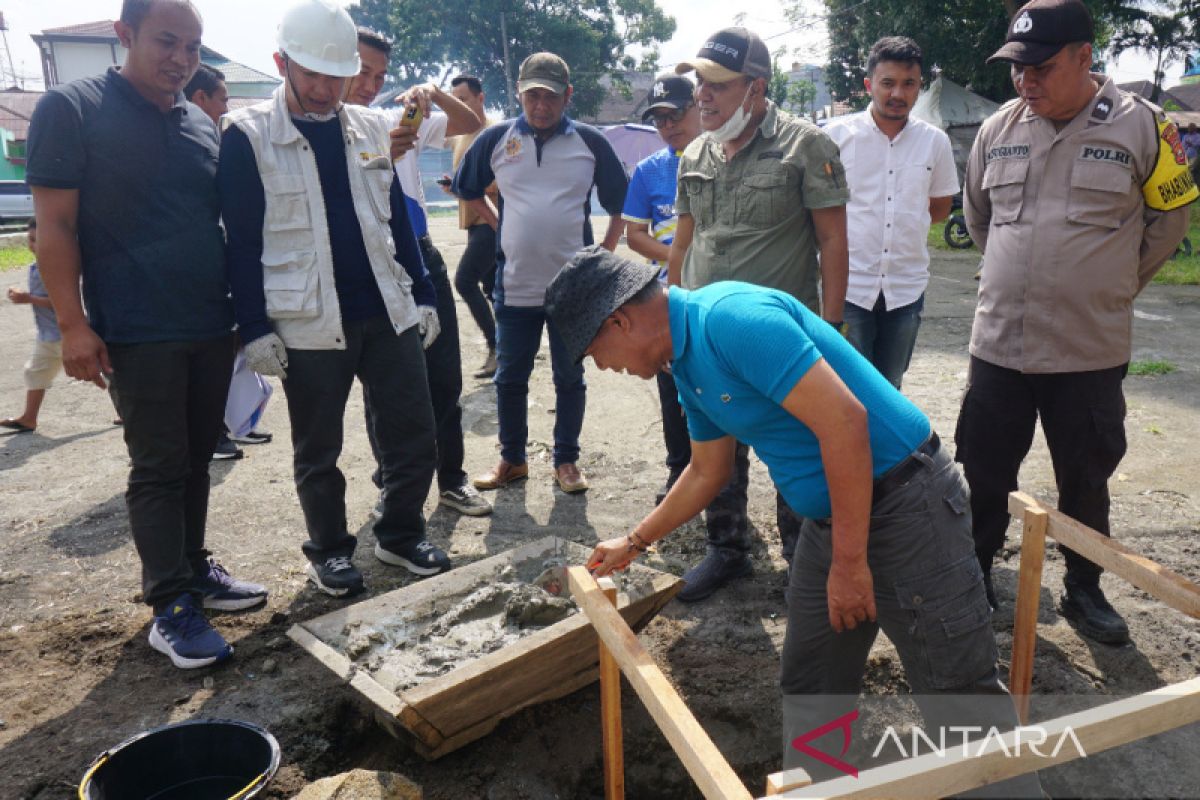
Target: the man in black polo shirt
(123, 171)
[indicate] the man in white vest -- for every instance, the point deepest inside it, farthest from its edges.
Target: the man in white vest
(328, 285)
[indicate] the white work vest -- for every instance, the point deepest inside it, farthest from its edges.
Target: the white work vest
(298, 280)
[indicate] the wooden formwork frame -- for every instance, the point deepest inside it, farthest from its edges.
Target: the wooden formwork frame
(932, 775)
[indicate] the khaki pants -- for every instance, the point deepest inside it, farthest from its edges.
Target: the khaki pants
(43, 365)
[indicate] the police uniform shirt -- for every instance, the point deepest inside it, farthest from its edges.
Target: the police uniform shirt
(1073, 222)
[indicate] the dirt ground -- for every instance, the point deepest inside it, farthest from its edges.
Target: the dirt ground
(76, 674)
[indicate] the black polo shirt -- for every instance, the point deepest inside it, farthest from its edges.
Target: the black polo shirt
(153, 251)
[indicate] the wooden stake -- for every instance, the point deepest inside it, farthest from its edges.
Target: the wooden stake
(1166, 586)
(703, 761)
(1029, 589)
(780, 782)
(610, 711)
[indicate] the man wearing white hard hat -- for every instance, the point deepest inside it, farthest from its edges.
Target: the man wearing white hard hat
(328, 285)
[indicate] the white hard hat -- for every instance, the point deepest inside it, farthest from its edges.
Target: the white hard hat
(319, 35)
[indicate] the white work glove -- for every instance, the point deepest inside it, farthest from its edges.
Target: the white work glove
(428, 325)
(266, 355)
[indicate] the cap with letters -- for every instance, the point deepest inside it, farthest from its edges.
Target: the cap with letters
(669, 91)
(1043, 27)
(730, 53)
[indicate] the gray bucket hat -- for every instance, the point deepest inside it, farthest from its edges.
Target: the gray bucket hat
(590, 287)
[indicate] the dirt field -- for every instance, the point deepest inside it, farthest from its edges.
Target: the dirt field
(77, 675)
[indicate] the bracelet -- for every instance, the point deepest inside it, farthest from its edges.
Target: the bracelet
(634, 546)
(637, 539)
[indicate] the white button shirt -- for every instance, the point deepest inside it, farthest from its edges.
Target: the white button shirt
(887, 218)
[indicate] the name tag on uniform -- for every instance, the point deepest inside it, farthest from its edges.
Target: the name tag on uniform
(1109, 155)
(1004, 151)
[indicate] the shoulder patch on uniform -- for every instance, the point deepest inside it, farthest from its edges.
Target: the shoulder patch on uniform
(999, 151)
(1170, 185)
(1102, 109)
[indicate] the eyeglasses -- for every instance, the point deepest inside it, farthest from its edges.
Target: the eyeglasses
(661, 119)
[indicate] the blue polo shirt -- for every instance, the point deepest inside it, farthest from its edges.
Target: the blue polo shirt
(545, 198)
(740, 349)
(651, 196)
(153, 252)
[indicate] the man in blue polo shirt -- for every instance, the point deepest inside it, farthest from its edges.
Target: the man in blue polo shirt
(123, 170)
(886, 541)
(545, 165)
(650, 222)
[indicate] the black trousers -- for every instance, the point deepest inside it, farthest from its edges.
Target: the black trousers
(675, 432)
(475, 278)
(391, 367)
(1083, 417)
(443, 368)
(171, 396)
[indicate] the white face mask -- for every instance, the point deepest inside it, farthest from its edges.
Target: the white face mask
(737, 122)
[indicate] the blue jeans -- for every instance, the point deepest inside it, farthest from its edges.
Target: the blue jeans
(518, 338)
(884, 336)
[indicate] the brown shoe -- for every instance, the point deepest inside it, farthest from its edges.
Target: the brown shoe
(502, 474)
(570, 479)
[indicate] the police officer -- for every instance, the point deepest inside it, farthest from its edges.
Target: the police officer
(1076, 193)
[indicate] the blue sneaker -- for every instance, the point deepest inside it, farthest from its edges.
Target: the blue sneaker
(223, 592)
(184, 635)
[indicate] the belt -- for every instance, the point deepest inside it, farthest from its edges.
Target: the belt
(904, 472)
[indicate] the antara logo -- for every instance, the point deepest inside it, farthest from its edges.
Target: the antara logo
(970, 743)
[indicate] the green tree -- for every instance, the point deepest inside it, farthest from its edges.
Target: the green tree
(435, 38)
(1165, 31)
(956, 35)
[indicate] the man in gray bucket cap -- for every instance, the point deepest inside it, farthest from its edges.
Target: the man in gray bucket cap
(886, 542)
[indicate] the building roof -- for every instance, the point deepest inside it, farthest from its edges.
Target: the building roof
(82, 29)
(234, 72)
(1187, 95)
(1146, 90)
(616, 108)
(16, 107)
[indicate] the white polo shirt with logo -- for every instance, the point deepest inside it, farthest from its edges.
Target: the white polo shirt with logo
(545, 198)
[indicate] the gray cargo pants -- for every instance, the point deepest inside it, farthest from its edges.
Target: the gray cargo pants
(929, 601)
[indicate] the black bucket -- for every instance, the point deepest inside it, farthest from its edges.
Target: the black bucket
(205, 759)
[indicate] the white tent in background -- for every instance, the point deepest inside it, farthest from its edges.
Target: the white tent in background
(956, 110)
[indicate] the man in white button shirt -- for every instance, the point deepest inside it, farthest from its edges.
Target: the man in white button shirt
(902, 177)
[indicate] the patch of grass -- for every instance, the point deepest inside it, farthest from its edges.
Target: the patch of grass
(1184, 270)
(17, 257)
(1151, 368)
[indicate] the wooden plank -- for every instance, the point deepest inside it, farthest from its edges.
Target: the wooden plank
(997, 758)
(1166, 586)
(561, 688)
(780, 782)
(489, 685)
(610, 711)
(707, 767)
(1029, 590)
(445, 712)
